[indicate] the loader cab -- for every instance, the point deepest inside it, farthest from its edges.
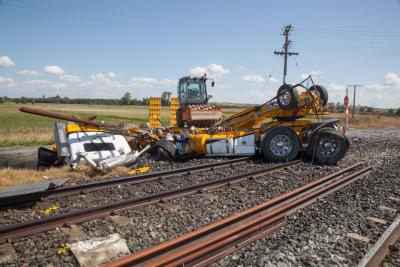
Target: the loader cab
(193, 91)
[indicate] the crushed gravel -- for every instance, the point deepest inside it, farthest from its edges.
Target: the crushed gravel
(316, 235)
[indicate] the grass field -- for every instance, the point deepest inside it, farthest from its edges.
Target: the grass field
(24, 129)
(21, 129)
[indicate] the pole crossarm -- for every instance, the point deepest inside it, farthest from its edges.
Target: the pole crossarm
(285, 52)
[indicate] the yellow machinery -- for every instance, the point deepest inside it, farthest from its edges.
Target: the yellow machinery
(155, 112)
(279, 130)
(173, 109)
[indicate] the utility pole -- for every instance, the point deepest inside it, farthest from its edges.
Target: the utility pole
(285, 51)
(354, 97)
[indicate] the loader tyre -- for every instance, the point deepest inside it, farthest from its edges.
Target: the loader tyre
(280, 144)
(164, 150)
(287, 97)
(321, 92)
(327, 146)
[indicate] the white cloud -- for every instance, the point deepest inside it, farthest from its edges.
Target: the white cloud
(46, 84)
(5, 81)
(392, 79)
(212, 70)
(100, 85)
(375, 87)
(338, 88)
(240, 68)
(111, 74)
(70, 78)
(98, 77)
(168, 82)
(313, 73)
(30, 72)
(144, 80)
(273, 80)
(53, 70)
(254, 78)
(5, 61)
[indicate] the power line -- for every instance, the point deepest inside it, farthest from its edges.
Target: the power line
(285, 52)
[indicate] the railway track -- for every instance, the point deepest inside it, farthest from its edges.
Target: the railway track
(13, 231)
(104, 184)
(378, 252)
(212, 242)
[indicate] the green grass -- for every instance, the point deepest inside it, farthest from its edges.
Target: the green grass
(23, 129)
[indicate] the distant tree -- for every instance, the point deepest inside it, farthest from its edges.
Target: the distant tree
(126, 99)
(370, 109)
(165, 98)
(391, 111)
(398, 112)
(2, 100)
(362, 109)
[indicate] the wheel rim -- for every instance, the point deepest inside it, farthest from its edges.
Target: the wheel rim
(281, 145)
(285, 97)
(328, 146)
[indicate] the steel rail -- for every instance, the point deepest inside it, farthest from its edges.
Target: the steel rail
(104, 184)
(198, 253)
(13, 231)
(171, 245)
(377, 253)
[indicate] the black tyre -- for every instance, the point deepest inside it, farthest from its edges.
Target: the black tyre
(47, 158)
(164, 150)
(280, 144)
(287, 97)
(321, 92)
(327, 146)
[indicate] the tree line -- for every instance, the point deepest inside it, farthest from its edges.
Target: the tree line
(126, 99)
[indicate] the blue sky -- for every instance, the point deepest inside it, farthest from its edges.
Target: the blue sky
(105, 48)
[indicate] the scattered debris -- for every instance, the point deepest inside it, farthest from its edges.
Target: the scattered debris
(63, 249)
(139, 170)
(31, 188)
(53, 208)
(97, 251)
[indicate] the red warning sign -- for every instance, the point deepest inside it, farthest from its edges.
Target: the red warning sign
(346, 101)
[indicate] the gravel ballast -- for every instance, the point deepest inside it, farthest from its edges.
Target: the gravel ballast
(315, 235)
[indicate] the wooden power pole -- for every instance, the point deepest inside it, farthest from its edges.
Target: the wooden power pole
(285, 52)
(354, 97)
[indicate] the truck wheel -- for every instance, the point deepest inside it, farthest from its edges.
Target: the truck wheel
(164, 150)
(280, 144)
(321, 92)
(328, 146)
(287, 97)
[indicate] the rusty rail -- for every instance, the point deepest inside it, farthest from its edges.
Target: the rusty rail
(378, 252)
(13, 231)
(104, 184)
(212, 242)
